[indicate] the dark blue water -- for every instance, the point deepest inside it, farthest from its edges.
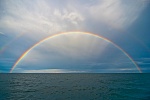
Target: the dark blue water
(74, 86)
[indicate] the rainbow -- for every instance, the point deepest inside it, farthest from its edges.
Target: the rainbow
(6, 46)
(52, 36)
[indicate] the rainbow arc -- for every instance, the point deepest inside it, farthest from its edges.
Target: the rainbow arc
(59, 34)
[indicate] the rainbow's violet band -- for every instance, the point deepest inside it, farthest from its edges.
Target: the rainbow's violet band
(55, 35)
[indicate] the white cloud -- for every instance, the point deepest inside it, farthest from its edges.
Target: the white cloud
(42, 16)
(73, 17)
(52, 71)
(117, 13)
(38, 17)
(147, 59)
(143, 61)
(127, 69)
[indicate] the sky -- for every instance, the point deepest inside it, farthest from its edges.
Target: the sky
(74, 36)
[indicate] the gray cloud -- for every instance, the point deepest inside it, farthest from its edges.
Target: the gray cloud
(2, 33)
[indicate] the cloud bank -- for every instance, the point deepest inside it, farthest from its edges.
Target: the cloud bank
(25, 22)
(49, 17)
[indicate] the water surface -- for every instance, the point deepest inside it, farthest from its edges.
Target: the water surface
(74, 86)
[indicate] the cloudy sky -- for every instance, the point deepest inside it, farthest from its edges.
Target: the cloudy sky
(121, 42)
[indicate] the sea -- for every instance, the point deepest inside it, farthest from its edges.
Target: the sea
(75, 86)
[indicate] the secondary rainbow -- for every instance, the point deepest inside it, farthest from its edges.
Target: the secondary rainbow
(52, 36)
(6, 46)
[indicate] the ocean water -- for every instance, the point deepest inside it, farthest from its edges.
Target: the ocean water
(74, 86)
